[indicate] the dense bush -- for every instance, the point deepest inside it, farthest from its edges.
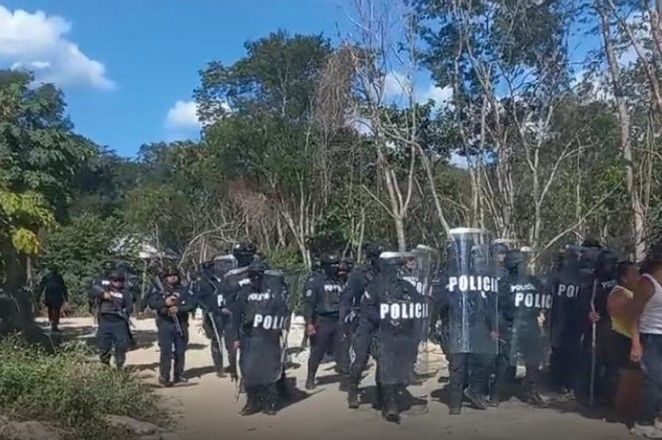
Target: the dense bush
(69, 389)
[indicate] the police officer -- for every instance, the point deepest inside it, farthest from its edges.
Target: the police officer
(343, 357)
(210, 296)
(566, 322)
(114, 306)
(604, 280)
(235, 283)
(173, 302)
(100, 283)
(55, 296)
(321, 313)
(396, 309)
(468, 309)
(357, 281)
(521, 300)
(260, 317)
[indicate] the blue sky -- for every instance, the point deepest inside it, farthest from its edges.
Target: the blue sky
(137, 58)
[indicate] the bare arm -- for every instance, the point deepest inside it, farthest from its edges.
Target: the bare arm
(643, 292)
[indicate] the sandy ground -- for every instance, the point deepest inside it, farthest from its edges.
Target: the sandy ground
(206, 407)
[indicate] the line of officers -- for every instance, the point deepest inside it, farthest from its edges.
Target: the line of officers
(487, 312)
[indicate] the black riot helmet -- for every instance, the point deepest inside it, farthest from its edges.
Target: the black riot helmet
(515, 262)
(397, 264)
(372, 252)
(244, 253)
(108, 266)
(330, 265)
(605, 264)
(256, 273)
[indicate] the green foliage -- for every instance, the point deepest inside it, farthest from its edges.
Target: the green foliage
(69, 388)
(79, 250)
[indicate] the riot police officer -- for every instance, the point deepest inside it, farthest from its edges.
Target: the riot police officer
(235, 282)
(210, 297)
(114, 306)
(396, 309)
(173, 301)
(343, 357)
(468, 309)
(100, 283)
(321, 313)
(260, 316)
(521, 300)
(360, 340)
(603, 374)
(566, 322)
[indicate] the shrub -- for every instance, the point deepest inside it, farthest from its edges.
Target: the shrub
(70, 389)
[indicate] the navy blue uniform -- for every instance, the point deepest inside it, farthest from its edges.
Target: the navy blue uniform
(216, 324)
(172, 328)
(235, 284)
(113, 320)
(322, 309)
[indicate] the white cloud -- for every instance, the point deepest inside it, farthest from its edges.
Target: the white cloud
(35, 41)
(441, 96)
(396, 85)
(182, 116)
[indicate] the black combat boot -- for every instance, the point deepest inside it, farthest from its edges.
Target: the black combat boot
(390, 409)
(253, 403)
(310, 382)
(352, 395)
(270, 399)
(475, 398)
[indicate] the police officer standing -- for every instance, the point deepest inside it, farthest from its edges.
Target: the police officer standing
(397, 309)
(521, 300)
(603, 375)
(566, 322)
(55, 296)
(100, 283)
(114, 306)
(321, 312)
(260, 317)
(235, 283)
(210, 297)
(173, 303)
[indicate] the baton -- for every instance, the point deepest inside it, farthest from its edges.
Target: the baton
(178, 325)
(240, 379)
(594, 326)
(218, 337)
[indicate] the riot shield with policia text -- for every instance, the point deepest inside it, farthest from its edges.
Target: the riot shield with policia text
(470, 294)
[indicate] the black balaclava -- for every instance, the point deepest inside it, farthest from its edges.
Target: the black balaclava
(330, 265)
(605, 265)
(372, 252)
(515, 263)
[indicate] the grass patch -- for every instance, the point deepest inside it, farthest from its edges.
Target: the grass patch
(70, 389)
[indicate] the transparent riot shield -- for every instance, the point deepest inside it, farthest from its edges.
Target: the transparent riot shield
(429, 357)
(402, 314)
(223, 264)
(471, 292)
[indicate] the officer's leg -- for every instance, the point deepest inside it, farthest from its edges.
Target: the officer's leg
(498, 389)
(253, 402)
(457, 365)
(319, 344)
(390, 409)
(54, 317)
(181, 341)
(229, 345)
(531, 382)
(556, 376)
(166, 333)
(121, 343)
(216, 354)
(105, 341)
(477, 381)
(342, 353)
(270, 399)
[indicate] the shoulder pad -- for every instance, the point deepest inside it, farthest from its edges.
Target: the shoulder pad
(237, 271)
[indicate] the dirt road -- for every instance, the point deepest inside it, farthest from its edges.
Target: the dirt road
(206, 407)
